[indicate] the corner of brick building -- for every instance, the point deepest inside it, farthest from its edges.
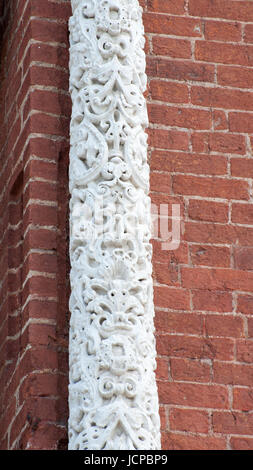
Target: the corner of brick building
(200, 101)
(35, 110)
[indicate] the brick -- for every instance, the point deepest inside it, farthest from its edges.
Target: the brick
(243, 257)
(208, 233)
(41, 335)
(180, 117)
(48, 31)
(233, 374)
(224, 53)
(239, 77)
(244, 351)
(42, 309)
(250, 328)
(11, 385)
(200, 232)
(208, 211)
(50, 102)
(164, 256)
(233, 422)
(40, 191)
(12, 138)
(200, 395)
(225, 326)
(210, 187)
(39, 359)
(243, 397)
(162, 370)
(170, 25)
(177, 299)
(7, 417)
(192, 370)
(223, 31)
(219, 142)
(59, 11)
(163, 418)
(50, 125)
(166, 274)
(220, 121)
(48, 54)
(180, 70)
(241, 122)
(210, 256)
(40, 238)
(169, 91)
(169, 47)
(222, 98)
(40, 286)
(216, 279)
(41, 169)
(173, 140)
(17, 425)
(189, 420)
(13, 326)
(245, 304)
(47, 149)
(241, 167)
(234, 10)
(248, 33)
(13, 90)
(175, 7)
(194, 347)
(174, 322)
(162, 198)
(243, 443)
(39, 385)
(47, 436)
(42, 262)
(15, 278)
(49, 76)
(40, 214)
(180, 162)
(160, 182)
(200, 142)
(242, 213)
(176, 441)
(212, 301)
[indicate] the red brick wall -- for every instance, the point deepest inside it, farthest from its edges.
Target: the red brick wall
(35, 109)
(199, 58)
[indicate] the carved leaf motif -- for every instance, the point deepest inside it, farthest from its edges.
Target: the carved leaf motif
(112, 393)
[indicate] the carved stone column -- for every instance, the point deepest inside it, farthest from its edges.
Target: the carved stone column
(112, 393)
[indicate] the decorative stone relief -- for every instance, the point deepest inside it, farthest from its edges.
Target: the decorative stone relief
(112, 393)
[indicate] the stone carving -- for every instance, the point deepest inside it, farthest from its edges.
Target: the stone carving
(112, 393)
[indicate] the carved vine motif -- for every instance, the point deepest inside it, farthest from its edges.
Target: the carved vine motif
(112, 392)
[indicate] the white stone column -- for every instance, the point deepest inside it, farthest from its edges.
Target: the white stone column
(112, 393)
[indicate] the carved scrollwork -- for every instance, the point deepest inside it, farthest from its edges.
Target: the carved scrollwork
(112, 393)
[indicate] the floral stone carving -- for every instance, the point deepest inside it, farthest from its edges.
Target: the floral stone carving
(112, 393)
